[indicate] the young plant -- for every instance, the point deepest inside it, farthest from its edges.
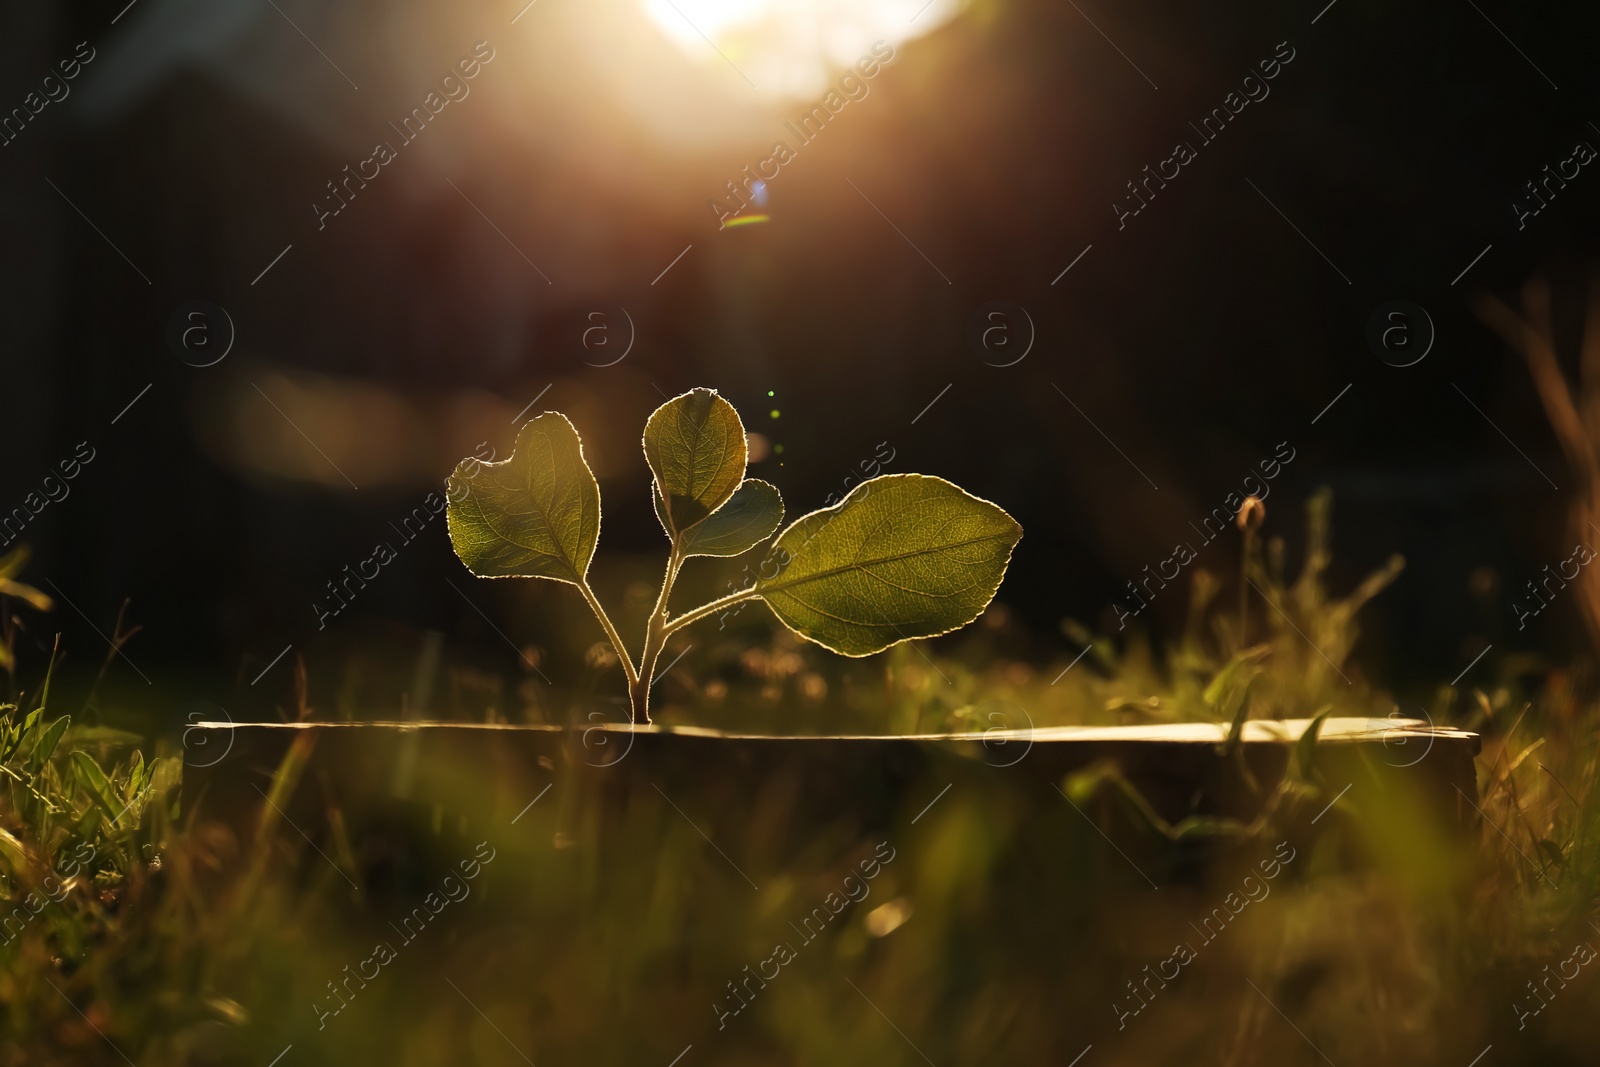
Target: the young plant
(902, 556)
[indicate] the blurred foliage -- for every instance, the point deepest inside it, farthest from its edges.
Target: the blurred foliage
(11, 565)
(622, 912)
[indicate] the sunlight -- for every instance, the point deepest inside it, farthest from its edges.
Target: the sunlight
(792, 47)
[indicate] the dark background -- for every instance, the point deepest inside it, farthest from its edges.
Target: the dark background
(1197, 338)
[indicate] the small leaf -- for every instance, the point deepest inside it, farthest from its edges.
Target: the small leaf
(136, 775)
(534, 515)
(1239, 698)
(748, 518)
(1082, 786)
(903, 556)
(1225, 678)
(1234, 745)
(1306, 748)
(695, 445)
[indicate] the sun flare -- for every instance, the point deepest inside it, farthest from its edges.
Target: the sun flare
(791, 48)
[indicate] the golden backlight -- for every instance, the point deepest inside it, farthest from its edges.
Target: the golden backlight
(791, 48)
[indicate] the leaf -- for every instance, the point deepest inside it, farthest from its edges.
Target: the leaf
(28, 735)
(230, 1011)
(46, 745)
(903, 556)
(1225, 678)
(533, 515)
(748, 518)
(1080, 787)
(37, 598)
(102, 735)
(49, 676)
(1209, 827)
(1234, 745)
(15, 854)
(1239, 715)
(10, 732)
(95, 782)
(136, 775)
(1305, 748)
(695, 445)
(10, 566)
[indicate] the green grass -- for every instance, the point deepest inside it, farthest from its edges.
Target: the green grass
(606, 927)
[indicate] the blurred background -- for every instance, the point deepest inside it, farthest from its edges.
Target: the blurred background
(272, 268)
(354, 342)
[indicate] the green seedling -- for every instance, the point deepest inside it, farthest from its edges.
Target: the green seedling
(903, 556)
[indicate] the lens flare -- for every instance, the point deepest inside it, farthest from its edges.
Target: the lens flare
(791, 48)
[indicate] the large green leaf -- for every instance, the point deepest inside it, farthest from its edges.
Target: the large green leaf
(534, 515)
(903, 556)
(747, 519)
(695, 445)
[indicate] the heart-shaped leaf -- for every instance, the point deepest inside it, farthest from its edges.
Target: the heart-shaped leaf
(695, 445)
(747, 519)
(903, 556)
(534, 515)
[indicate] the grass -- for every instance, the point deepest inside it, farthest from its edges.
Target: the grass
(617, 909)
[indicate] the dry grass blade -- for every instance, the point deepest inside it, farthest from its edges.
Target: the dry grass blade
(1576, 422)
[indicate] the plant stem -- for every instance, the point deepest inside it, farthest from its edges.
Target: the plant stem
(655, 639)
(1244, 585)
(611, 632)
(712, 608)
